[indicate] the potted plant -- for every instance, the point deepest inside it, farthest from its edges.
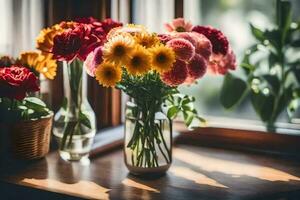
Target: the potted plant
(25, 120)
(149, 67)
(271, 70)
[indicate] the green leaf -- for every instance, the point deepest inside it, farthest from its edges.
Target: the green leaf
(296, 93)
(273, 59)
(232, 91)
(257, 33)
(284, 17)
(172, 112)
(274, 37)
(84, 120)
(34, 103)
(296, 72)
(295, 43)
(65, 103)
(273, 81)
(293, 106)
(263, 105)
(188, 118)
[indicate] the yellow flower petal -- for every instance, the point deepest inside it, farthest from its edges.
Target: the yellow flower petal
(108, 75)
(140, 61)
(162, 58)
(118, 50)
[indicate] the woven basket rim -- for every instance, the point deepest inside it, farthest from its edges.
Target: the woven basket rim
(43, 117)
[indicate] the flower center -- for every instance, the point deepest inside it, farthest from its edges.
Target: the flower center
(136, 61)
(161, 58)
(108, 73)
(119, 50)
(180, 29)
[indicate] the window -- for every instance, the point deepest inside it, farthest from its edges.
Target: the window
(23, 21)
(232, 17)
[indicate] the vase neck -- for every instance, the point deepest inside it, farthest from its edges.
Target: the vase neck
(75, 83)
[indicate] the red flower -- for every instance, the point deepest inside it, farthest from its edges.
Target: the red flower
(76, 42)
(16, 81)
(217, 38)
(177, 75)
(196, 67)
(109, 24)
(95, 25)
(86, 20)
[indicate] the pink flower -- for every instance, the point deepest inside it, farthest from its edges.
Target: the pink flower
(219, 41)
(203, 46)
(179, 25)
(164, 38)
(184, 35)
(93, 60)
(200, 42)
(183, 49)
(221, 64)
(177, 75)
(196, 67)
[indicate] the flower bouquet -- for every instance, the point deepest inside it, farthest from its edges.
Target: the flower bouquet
(71, 42)
(149, 67)
(26, 119)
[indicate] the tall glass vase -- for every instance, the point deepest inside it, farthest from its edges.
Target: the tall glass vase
(148, 140)
(75, 122)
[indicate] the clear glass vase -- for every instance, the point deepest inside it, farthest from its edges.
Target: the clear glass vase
(148, 141)
(75, 123)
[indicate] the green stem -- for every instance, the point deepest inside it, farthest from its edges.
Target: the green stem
(164, 143)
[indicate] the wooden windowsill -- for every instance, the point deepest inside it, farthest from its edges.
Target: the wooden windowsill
(220, 132)
(199, 169)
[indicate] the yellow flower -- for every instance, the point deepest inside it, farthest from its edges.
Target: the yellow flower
(48, 66)
(118, 49)
(44, 41)
(140, 62)
(162, 58)
(108, 75)
(42, 63)
(147, 40)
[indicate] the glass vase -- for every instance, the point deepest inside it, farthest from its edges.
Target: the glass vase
(148, 141)
(75, 123)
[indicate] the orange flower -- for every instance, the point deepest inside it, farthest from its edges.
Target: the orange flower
(41, 63)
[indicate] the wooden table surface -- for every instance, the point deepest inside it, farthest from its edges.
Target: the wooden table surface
(196, 173)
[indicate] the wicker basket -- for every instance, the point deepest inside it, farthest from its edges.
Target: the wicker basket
(31, 139)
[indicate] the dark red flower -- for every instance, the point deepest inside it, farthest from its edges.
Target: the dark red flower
(196, 67)
(177, 75)
(16, 81)
(217, 38)
(76, 42)
(109, 24)
(86, 20)
(95, 24)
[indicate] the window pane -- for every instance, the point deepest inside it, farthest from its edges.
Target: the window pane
(232, 17)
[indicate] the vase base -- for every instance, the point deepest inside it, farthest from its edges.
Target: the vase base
(75, 157)
(151, 172)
